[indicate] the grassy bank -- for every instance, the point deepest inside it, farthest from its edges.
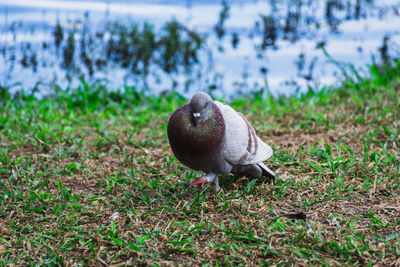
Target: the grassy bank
(70, 162)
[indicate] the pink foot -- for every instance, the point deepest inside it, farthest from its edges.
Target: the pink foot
(211, 194)
(201, 182)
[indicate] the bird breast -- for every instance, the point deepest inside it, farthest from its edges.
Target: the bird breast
(195, 142)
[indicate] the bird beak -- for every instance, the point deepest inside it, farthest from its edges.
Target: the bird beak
(196, 117)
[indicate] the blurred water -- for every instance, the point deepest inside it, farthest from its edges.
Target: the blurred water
(232, 70)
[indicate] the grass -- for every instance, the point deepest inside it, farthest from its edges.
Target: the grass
(87, 177)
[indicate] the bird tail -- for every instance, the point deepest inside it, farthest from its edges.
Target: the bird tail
(266, 171)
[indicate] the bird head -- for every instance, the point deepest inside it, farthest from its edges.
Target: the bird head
(200, 107)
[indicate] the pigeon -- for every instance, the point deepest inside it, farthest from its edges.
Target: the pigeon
(212, 137)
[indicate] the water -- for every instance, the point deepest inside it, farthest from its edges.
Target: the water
(352, 32)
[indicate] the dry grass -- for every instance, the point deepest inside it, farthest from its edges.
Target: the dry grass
(65, 173)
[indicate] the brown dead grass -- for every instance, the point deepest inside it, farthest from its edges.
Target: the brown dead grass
(325, 219)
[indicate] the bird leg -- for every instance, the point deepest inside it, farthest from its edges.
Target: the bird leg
(217, 187)
(210, 177)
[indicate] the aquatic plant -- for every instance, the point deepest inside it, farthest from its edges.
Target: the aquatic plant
(143, 52)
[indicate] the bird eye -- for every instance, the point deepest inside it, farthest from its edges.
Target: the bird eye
(205, 105)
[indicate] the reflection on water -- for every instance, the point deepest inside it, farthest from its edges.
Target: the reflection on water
(232, 46)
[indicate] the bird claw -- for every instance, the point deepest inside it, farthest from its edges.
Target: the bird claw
(201, 182)
(211, 194)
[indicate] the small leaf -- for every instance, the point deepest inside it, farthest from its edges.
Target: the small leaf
(391, 237)
(358, 101)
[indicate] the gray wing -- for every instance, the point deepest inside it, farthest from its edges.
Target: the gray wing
(241, 144)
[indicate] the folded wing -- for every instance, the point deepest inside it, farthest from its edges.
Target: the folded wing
(241, 144)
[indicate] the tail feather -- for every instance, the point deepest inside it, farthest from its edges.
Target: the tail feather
(266, 171)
